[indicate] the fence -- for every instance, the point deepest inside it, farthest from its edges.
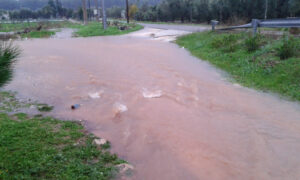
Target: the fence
(270, 23)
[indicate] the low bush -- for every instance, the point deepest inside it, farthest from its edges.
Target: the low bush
(228, 42)
(253, 43)
(288, 48)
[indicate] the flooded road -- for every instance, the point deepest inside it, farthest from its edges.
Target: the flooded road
(169, 114)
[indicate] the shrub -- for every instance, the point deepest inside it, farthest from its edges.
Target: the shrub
(287, 48)
(253, 43)
(8, 54)
(217, 42)
(295, 31)
(227, 42)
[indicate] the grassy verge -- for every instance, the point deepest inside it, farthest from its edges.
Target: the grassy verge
(91, 29)
(43, 147)
(265, 63)
(96, 29)
(14, 27)
(38, 34)
(39, 147)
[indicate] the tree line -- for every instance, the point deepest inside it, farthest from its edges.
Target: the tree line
(227, 11)
(72, 4)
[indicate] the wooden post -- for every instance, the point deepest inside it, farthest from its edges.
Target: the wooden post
(104, 15)
(255, 24)
(84, 12)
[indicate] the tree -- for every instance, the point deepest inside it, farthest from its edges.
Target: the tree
(132, 11)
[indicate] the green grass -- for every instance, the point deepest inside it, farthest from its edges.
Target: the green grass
(91, 29)
(33, 25)
(16, 26)
(262, 69)
(8, 55)
(38, 34)
(46, 148)
(40, 147)
(96, 29)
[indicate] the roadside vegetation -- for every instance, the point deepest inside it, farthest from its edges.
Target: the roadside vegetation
(38, 34)
(48, 29)
(21, 26)
(268, 63)
(115, 28)
(46, 148)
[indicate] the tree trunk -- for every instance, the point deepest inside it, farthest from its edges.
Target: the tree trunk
(84, 12)
(98, 10)
(104, 15)
(127, 11)
(266, 9)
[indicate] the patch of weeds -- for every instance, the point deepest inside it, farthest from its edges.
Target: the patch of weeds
(9, 103)
(227, 42)
(288, 48)
(253, 43)
(106, 145)
(44, 108)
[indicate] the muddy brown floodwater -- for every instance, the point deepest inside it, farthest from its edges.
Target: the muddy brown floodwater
(184, 120)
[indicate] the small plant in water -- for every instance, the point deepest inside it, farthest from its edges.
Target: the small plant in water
(44, 108)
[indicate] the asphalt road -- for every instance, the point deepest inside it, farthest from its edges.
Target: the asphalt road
(188, 28)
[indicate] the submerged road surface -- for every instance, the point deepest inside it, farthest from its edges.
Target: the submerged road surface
(169, 114)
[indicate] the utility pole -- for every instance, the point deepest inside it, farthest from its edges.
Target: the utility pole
(266, 10)
(89, 10)
(57, 9)
(127, 11)
(98, 11)
(104, 15)
(84, 12)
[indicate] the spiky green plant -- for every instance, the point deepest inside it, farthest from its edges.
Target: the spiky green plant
(8, 55)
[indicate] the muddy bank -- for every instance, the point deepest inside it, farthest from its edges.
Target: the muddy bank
(183, 120)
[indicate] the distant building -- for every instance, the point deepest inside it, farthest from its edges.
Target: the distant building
(123, 14)
(4, 16)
